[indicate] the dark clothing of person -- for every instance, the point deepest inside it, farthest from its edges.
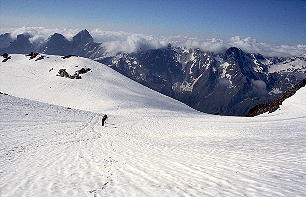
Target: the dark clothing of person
(104, 119)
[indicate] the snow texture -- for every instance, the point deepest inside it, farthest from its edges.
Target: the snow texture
(295, 65)
(151, 145)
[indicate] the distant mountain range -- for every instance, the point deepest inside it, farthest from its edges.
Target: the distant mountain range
(82, 44)
(230, 82)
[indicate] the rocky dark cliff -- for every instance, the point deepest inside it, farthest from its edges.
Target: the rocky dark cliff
(275, 104)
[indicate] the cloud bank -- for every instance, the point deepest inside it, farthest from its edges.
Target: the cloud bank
(115, 42)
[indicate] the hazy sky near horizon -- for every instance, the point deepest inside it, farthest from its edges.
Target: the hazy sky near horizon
(273, 21)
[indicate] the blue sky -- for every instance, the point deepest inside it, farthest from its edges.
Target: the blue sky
(273, 21)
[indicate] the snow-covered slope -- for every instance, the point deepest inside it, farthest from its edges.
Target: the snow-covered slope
(100, 90)
(294, 64)
(150, 146)
(292, 107)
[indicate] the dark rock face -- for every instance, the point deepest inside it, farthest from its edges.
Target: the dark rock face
(233, 84)
(82, 45)
(139, 66)
(21, 45)
(227, 83)
(57, 44)
(275, 104)
(76, 75)
(83, 71)
(5, 40)
(64, 73)
(32, 55)
(5, 55)
(82, 38)
(7, 58)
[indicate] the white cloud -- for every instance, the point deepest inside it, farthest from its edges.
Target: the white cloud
(115, 42)
(39, 33)
(212, 44)
(251, 45)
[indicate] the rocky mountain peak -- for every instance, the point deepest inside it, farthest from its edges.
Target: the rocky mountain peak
(57, 37)
(5, 40)
(22, 44)
(234, 52)
(57, 44)
(82, 37)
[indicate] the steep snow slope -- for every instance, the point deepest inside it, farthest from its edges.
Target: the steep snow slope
(151, 145)
(292, 107)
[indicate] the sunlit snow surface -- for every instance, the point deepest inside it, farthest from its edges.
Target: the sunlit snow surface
(151, 146)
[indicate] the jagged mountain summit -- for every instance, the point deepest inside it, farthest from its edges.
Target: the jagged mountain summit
(82, 44)
(21, 44)
(82, 38)
(230, 82)
(226, 83)
(5, 40)
(56, 44)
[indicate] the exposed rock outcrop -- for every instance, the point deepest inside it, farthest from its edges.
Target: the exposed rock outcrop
(275, 104)
(32, 55)
(6, 57)
(76, 75)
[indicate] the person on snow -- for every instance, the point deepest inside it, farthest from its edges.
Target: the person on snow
(104, 119)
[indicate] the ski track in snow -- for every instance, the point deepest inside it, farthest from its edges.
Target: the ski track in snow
(151, 145)
(55, 151)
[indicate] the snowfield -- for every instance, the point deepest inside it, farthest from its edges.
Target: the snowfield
(52, 142)
(294, 65)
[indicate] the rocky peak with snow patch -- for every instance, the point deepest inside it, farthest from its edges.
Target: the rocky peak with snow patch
(275, 104)
(83, 37)
(20, 45)
(57, 44)
(227, 83)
